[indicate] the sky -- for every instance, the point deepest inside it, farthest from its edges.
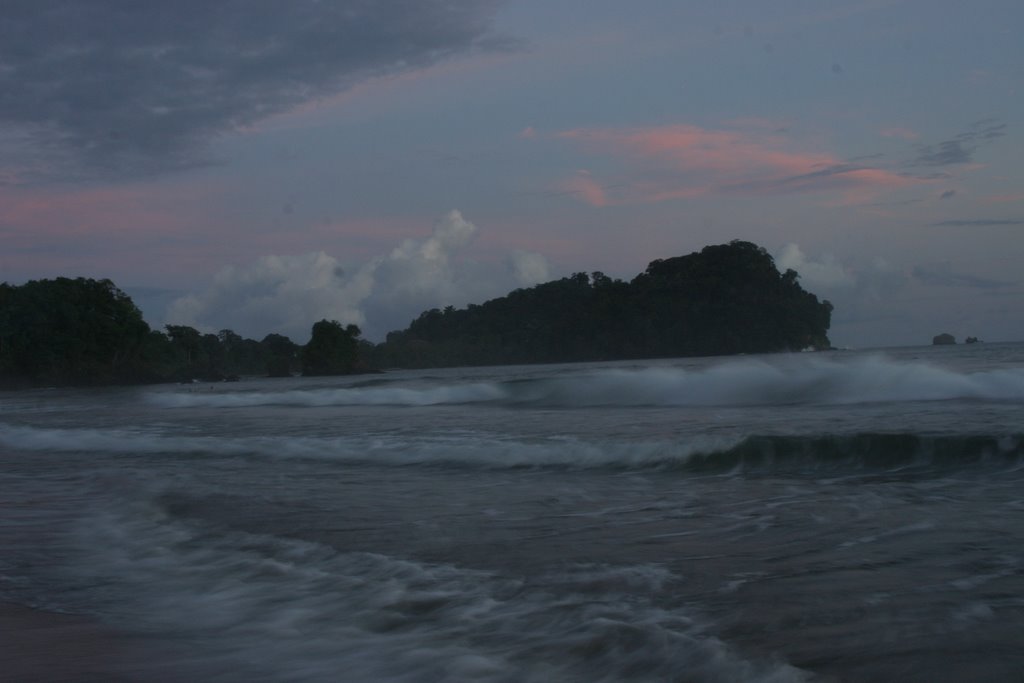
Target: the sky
(258, 165)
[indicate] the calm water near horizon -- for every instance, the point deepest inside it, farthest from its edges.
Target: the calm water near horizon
(854, 516)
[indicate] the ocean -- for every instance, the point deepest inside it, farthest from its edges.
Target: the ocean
(834, 516)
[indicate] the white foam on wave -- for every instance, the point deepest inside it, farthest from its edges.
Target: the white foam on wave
(465, 449)
(370, 396)
(120, 441)
(743, 382)
(786, 381)
(290, 609)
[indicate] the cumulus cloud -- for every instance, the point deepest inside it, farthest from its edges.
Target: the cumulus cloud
(854, 281)
(529, 268)
(862, 290)
(122, 87)
(877, 300)
(420, 274)
(287, 294)
(277, 294)
(823, 273)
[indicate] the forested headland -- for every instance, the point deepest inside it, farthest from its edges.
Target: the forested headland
(725, 299)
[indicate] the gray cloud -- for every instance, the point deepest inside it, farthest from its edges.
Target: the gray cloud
(828, 171)
(835, 175)
(980, 223)
(944, 153)
(830, 176)
(960, 148)
(122, 88)
(985, 129)
(865, 157)
(902, 202)
(943, 274)
(935, 175)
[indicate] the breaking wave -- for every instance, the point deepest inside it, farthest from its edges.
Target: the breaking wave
(257, 606)
(752, 453)
(745, 382)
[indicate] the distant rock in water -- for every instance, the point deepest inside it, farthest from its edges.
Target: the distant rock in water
(971, 340)
(944, 339)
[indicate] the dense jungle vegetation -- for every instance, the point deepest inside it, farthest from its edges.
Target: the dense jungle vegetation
(88, 332)
(725, 299)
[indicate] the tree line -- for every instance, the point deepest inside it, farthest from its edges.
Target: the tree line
(725, 299)
(88, 332)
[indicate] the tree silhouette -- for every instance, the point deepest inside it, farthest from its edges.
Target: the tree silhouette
(332, 349)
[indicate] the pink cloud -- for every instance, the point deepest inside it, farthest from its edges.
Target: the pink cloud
(586, 187)
(167, 233)
(1005, 198)
(105, 231)
(685, 161)
(101, 211)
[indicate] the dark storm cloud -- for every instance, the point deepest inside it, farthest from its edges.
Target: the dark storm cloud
(960, 148)
(943, 274)
(127, 86)
(980, 223)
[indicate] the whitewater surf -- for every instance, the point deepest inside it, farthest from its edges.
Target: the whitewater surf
(841, 516)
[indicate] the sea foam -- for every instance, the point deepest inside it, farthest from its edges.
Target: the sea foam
(740, 382)
(702, 453)
(258, 604)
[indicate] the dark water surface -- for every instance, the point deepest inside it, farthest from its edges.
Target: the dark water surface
(841, 516)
